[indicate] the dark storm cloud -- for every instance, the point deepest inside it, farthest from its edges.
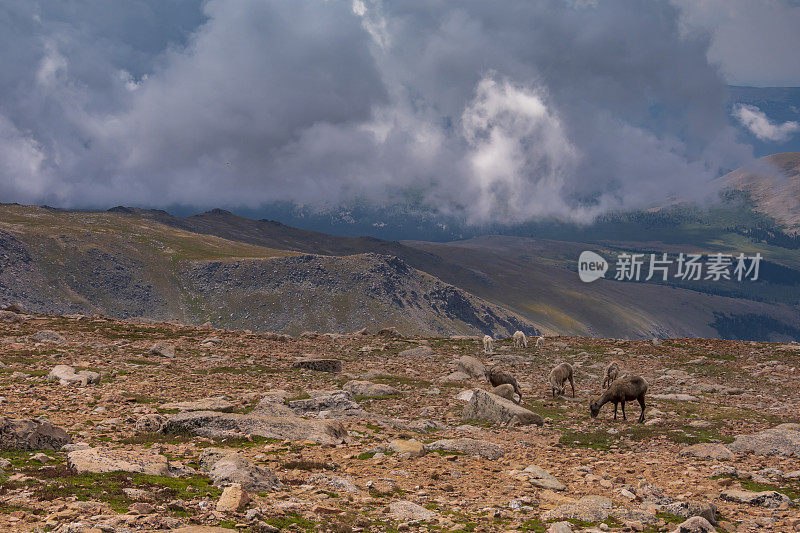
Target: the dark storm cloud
(496, 111)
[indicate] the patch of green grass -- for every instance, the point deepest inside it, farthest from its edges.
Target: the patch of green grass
(291, 521)
(719, 356)
(595, 440)
(534, 524)
(303, 464)
(61, 482)
(363, 456)
(791, 490)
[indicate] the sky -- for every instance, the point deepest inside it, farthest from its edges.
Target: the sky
(497, 112)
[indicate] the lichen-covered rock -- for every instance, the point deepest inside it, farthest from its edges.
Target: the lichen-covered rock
(419, 351)
(99, 460)
(405, 510)
(328, 404)
(539, 477)
(163, 349)
(587, 509)
(204, 404)
(767, 498)
(696, 524)
(213, 424)
(150, 423)
(320, 365)
(66, 375)
(225, 467)
(780, 440)
(31, 434)
(706, 450)
(498, 411)
(471, 366)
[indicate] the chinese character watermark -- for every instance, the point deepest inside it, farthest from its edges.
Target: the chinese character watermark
(663, 267)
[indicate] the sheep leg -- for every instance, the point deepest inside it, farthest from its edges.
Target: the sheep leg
(623, 411)
(615, 410)
(573, 386)
(641, 404)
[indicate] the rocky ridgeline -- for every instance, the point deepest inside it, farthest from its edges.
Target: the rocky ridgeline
(122, 426)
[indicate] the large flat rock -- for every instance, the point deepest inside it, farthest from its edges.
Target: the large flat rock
(495, 410)
(212, 424)
(99, 460)
(204, 404)
(780, 440)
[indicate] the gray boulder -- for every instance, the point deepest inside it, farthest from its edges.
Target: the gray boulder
(31, 434)
(204, 404)
(688, 509)
(163, 349)
(217, 425)
(696, 524)
(767, 498)
(66, 375)
(328, 404)
(781, 440)
(541, 478)
(705, 450)
(225, 467)
(419, 351)
(499, 411)
(471, 366)
(151, 423)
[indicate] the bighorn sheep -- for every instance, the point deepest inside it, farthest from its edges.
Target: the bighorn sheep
(488, 344)
(612, 373)
(558, 377)
(625, 389)
(497, 377)
(520, 340)
(539, 341)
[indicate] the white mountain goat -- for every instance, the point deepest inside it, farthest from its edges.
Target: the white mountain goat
(539, 341)
(488, 344)
(520, 340)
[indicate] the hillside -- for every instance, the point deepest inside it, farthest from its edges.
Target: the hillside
(388, 438)
(774, 187)
(130, 266)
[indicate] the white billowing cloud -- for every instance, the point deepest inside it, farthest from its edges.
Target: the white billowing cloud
(760, 125)
(497, 112)
(519, 156)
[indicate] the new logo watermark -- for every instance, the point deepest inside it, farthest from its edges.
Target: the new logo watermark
(591, 266)
(690, 267)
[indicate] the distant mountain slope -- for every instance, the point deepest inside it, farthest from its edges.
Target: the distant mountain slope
(538, 279)
(774, 187)
(125, 265)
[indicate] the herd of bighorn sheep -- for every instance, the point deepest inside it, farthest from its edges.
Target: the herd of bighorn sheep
(618, 387)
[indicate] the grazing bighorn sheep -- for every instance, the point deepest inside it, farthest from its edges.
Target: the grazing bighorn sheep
(612, 373)
(558, 377)
(625, 389)
(520, 340)
(488, 344)
(497, 377)
(539, 341)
